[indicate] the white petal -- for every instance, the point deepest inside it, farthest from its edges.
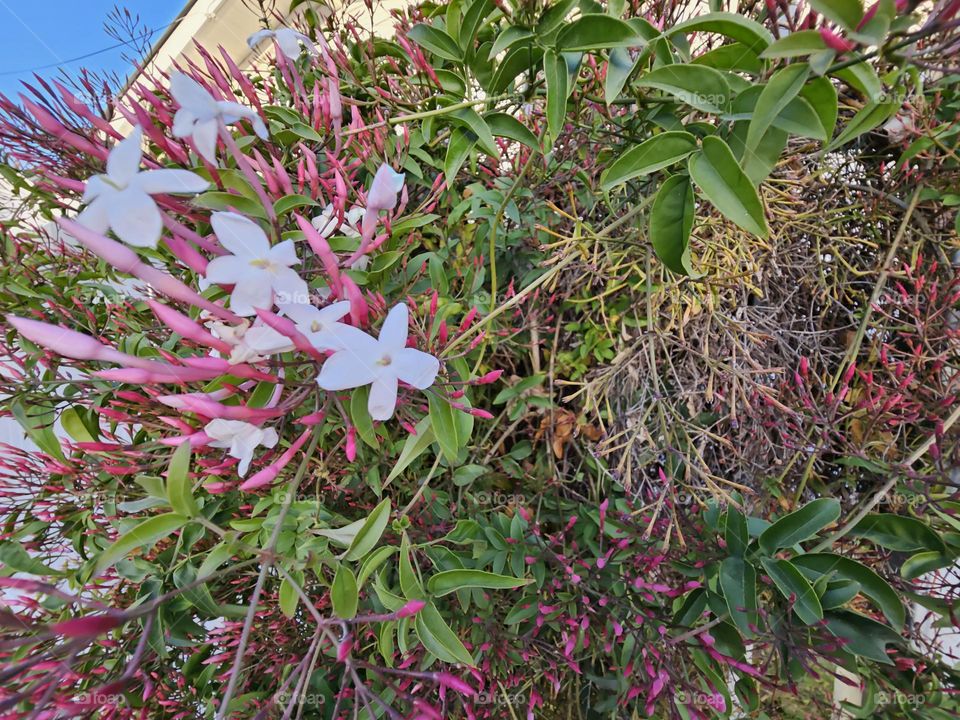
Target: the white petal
(229, 270)
(383, 397)
(124, 158)
(183, 122)
(223, 430)
(95, 187)
(326, 222)
(393, 334)
(254, 292)
(345, 369)
(258, 37)
(269, 438)
(383, 192)
(415, 367)
(231, 112)
(94, 216)
(191, 95)
(301, 313)
(334, 312)
(205, 139)
(267, 341)
(245, 454)
(240, 235)
(290, 287)
(170, 180)
(289, 43)
(135, 218)
(284, 253)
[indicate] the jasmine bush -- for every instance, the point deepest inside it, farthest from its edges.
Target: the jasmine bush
(430, 375)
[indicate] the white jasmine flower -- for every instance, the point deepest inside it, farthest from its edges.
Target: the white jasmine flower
(256, 269)
(320, 325)
(251, 343)
(200, 115)
(326, 223)
(240, 438)
(380, 363)
(288, 39)
(120, 199)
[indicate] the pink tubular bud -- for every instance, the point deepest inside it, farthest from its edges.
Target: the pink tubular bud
(85, 627)
(835, 42)
(358, 306)
(190, 329)
(322, 248)
(212, 409)
(343, 652)
(490, 377)
(269, 473)
(468, 319)
(173, 375)
(454, 683)
(351, 444)
(482, 414)
(410, 609)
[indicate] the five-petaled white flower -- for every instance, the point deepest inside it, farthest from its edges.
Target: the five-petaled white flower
(256, 269)
(327, 222)
(379, 363)
(200, 115)
(320, 325)
(120, 199)
(241, 438)
(251, 343)
(287, 38)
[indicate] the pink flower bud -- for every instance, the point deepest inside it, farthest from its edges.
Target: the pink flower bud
(410, 609)
(490, 377)
(269, 473)
(351, 444)
(85, 627)
(482, 414)
(183, 325)
(454, 683)
(835, 42)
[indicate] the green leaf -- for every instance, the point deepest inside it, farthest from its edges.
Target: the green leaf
(897, 532)
(597, 32)
(146, 533)
(718, 175)
(869, 117)
(444, 424)
(216, 200)
(13, 556)
(822, 96)
(373, 561)
(777, 94)
(409, 582)
(344, 593)
(503, 125)
(871, 584)
(436, 41)
(511, 36)
(733, 56)
(459, 146)
(179, 487)
(553, 15)
(803, 42)
(619, 68)
(735, 532)
(449, 581)
(473, 20)
(846, 13)
(370, 532)
(288, 598)
(291, 202)
(924, 562)
(555, 72)
(413, 447)
(72, 422)
(671, 219)
(864, 78)
(839, 593)
(799, 525)
(471, 120)
(865, 637)
(361, 415)
(651, 155)
(738, 580)
(700, 87)
(439, 639)
(791, 582)
(520, 58)
(742, 29)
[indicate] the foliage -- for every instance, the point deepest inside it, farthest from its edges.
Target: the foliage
(691, 444)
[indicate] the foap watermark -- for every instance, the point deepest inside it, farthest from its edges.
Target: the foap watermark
(499, 698)
(498, 498)
(285, 697)
(901, 699)
(98, 698)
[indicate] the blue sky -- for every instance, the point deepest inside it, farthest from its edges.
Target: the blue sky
(45, 32)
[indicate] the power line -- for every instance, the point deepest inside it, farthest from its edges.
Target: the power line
(60, 63)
